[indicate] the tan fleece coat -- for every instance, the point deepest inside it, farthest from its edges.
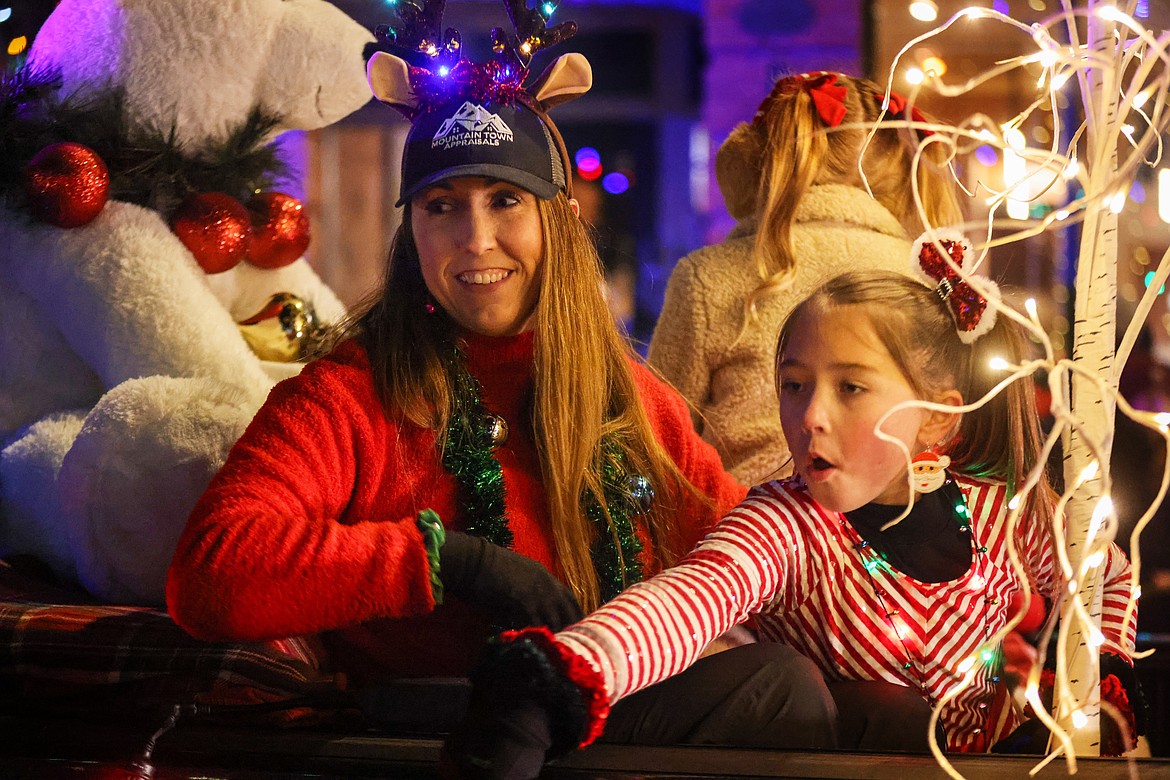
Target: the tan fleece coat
(838, 228)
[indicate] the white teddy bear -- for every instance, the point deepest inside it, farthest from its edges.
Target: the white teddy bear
(124, 377)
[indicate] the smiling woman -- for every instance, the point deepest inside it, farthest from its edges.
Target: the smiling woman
(480, 448)
(480, 247)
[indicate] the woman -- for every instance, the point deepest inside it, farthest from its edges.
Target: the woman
(480, 449)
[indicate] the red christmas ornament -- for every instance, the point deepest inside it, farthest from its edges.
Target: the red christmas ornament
(216, 228)
(67, 184)
(280, 230)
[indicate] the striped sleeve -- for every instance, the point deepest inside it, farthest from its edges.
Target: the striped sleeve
(1115, 597)
(659, 627)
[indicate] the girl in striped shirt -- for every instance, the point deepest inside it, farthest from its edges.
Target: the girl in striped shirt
(815, 559)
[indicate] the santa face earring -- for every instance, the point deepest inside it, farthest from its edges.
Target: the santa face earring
(928, 471)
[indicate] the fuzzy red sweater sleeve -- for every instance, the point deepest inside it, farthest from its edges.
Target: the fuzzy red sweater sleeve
(696, 459)
(286, 540)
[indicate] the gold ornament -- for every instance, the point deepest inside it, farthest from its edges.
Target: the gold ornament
(284, 330)
(497, 428)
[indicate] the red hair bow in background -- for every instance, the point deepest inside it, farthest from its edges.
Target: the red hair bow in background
(897, 107)
(827, 93)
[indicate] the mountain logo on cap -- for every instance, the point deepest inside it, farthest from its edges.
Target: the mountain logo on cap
(471, 125)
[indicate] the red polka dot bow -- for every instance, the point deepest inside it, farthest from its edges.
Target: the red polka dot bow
(948, 274)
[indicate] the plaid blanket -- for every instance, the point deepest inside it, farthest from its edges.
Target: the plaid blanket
(57, 643)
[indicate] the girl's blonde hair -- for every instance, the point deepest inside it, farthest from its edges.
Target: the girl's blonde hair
(1001, 439)
(584, 385)
(795, 151)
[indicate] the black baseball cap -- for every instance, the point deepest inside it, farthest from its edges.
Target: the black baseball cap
(468, 137)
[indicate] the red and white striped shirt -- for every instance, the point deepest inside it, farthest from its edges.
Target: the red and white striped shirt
(793, 565)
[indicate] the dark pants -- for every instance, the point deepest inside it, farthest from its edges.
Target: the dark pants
(767, 695)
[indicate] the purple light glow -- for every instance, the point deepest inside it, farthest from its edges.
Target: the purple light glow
(615, 183)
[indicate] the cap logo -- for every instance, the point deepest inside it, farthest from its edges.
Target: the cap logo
(471, 125)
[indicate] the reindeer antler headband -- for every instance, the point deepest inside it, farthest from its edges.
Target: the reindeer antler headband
(478, 118)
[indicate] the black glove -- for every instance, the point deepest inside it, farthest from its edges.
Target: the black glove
(504, 736)
(523, 709)
(514, 590)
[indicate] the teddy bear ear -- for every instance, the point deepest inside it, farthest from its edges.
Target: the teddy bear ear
(737, 170)
(568, 77)
(389, 78)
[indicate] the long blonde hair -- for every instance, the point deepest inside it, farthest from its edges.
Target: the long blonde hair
(584, 386)
(795, 151)
(1001, 439)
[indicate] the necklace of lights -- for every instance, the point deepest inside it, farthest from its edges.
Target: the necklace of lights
(874, 562)
(473, 433)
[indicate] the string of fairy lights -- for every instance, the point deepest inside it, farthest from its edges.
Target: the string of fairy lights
(1122, 72)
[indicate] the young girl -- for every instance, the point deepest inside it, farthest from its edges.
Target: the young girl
(810, 557)
(790, 177)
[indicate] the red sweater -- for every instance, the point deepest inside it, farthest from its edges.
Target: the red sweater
(310, 525)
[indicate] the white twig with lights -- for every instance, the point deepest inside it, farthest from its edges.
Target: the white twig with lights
(1122, 73)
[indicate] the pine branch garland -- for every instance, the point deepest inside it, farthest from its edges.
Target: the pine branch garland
(147, 167)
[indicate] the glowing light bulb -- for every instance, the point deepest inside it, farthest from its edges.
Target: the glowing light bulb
(1014, 138)
(526, 47)
(967, 664)
(1103, 509)
(1164, 194)
(1048, 58)
(1079, 719)
(5, 13)
(934, 65)
(1143, 97)
(1094, 560)
(443, 71)
(1110, 14)
(987, 656)
(915, 75)
(1096, 638)
(1061, 215)
(1014, 503)
(998, 364)
(1128, 130)
(1030, 307)
(1163, 419)
(1071, 170)
(924, 10)
(1117, 202)
(1060, 79)
(1090, 471)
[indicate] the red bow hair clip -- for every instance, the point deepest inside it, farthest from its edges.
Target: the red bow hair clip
(827, 93)
(971, 311)
(897, 106)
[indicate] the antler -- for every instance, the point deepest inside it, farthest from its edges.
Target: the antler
(418, 32)
(531, 29)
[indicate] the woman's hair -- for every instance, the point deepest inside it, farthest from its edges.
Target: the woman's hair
(1001, 439)
(584, 384)
(797, 151)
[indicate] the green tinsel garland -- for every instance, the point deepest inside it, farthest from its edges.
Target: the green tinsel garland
(147, 168)
(617, 552)
(469, 458)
